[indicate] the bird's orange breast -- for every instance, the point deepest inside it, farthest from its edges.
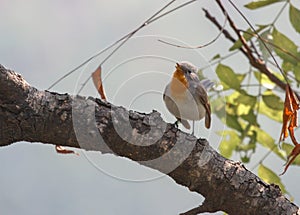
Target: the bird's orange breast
(179, 83)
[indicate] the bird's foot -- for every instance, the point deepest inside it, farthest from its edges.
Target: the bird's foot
(193, 128)
(176, 124)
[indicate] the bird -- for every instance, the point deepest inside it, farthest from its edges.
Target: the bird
(185, 96)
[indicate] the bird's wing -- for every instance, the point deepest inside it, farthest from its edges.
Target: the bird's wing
(203, 98)
(184, 122)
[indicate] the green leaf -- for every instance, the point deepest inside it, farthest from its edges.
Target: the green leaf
(230, 108)
(287, 66)
(229, 142)
(243, 109)
(246, 99)
(295, 17)
(247, 35)
(264, 138)
(265, 47)
(228, 78)
(217, 56)
(250, 117)
(238, 44)
(232, 122)
(272, 101)
(240, 103)
(232, 98)
(271, 113)
(246, 147)
(218, 107)
(275, 115)
(264, 80)
(240, 77)
(283, 41)
(244, 102)
(260, 3)
(297, 72)
(270, 177)
(245, 159)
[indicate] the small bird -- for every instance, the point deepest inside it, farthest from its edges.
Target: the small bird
(186, 96)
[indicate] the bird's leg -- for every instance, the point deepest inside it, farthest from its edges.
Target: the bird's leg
(176, 123)
(193, 127)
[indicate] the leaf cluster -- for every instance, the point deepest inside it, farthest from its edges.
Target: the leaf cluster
(251, 97)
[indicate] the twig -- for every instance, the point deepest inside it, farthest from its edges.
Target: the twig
(124, 39)
(218, 60)
(200, 46)
(272, 44)
(147, 22)
(245, 49)
(280, 12)
(263, 157)
(259, 37)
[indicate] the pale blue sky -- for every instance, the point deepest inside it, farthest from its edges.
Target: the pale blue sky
(42, 40)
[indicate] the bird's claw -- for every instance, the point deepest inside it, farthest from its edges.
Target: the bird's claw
(176, 124)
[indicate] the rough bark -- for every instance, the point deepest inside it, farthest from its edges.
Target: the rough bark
(27, 114)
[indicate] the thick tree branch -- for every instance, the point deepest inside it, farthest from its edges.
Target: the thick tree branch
(27, 114)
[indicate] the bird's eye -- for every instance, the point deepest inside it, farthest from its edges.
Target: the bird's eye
(189, 71)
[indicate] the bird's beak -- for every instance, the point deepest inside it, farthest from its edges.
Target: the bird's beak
(178, 67)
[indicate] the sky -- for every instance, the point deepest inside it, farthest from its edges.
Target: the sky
(43, 40)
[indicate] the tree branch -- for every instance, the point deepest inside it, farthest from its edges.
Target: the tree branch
(245, 49)
(27, 114)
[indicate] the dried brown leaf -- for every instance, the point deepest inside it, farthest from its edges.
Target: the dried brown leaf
(63, 150)
(290, 122)
(98, 82)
